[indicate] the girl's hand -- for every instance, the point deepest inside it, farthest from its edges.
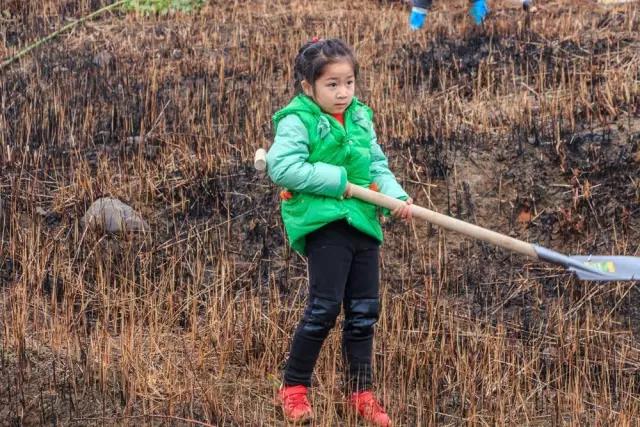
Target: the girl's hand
(403, 212)
(348, 192)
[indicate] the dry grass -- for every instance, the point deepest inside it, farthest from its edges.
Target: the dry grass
(529, 128)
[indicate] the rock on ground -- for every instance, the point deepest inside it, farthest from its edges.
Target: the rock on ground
(114, 216)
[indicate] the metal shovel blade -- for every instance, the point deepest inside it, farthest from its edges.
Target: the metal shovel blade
(597, 268)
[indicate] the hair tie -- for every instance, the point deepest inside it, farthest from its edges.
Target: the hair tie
(315, 39)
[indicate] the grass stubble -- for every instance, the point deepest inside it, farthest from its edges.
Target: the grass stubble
(528, 126)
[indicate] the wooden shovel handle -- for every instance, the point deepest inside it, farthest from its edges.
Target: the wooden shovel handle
(446, 222)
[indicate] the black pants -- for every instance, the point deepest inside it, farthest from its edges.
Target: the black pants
(343, 271)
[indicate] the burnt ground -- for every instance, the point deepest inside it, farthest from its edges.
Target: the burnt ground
(564, 176)
(568, 189)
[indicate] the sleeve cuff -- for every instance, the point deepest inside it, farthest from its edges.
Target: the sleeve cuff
(342, 187)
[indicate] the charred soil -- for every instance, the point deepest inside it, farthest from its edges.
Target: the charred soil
(529, 126)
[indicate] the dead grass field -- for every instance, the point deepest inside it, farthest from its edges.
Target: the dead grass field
(530, 127)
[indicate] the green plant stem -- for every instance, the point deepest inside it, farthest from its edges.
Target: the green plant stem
(53, 35)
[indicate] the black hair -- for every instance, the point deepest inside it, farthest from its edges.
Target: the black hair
(315, 55)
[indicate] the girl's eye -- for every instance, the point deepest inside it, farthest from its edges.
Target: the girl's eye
(350, 82)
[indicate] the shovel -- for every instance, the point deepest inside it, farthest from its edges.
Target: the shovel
(602, 268)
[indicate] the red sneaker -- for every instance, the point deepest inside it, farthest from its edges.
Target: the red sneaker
(295, 406)
(369, 409)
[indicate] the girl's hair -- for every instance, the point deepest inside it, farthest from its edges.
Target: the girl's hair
(314, 55)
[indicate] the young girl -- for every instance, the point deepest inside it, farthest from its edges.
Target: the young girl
(324, 143)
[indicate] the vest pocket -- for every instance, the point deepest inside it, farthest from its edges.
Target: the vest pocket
(296, 200)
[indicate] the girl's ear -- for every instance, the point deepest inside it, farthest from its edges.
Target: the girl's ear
(307, 88)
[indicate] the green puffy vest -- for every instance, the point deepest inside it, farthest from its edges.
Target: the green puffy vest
(333, 149)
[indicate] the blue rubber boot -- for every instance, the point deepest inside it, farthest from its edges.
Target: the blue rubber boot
(479, 11)
(417, 18)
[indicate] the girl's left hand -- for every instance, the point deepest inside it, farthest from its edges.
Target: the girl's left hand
(403, 212)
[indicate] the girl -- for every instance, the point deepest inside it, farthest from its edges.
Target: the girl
(324, 142)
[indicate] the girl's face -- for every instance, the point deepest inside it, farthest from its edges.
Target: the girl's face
(334, 89)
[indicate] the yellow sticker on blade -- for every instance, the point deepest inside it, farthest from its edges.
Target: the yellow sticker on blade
(602, 266)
